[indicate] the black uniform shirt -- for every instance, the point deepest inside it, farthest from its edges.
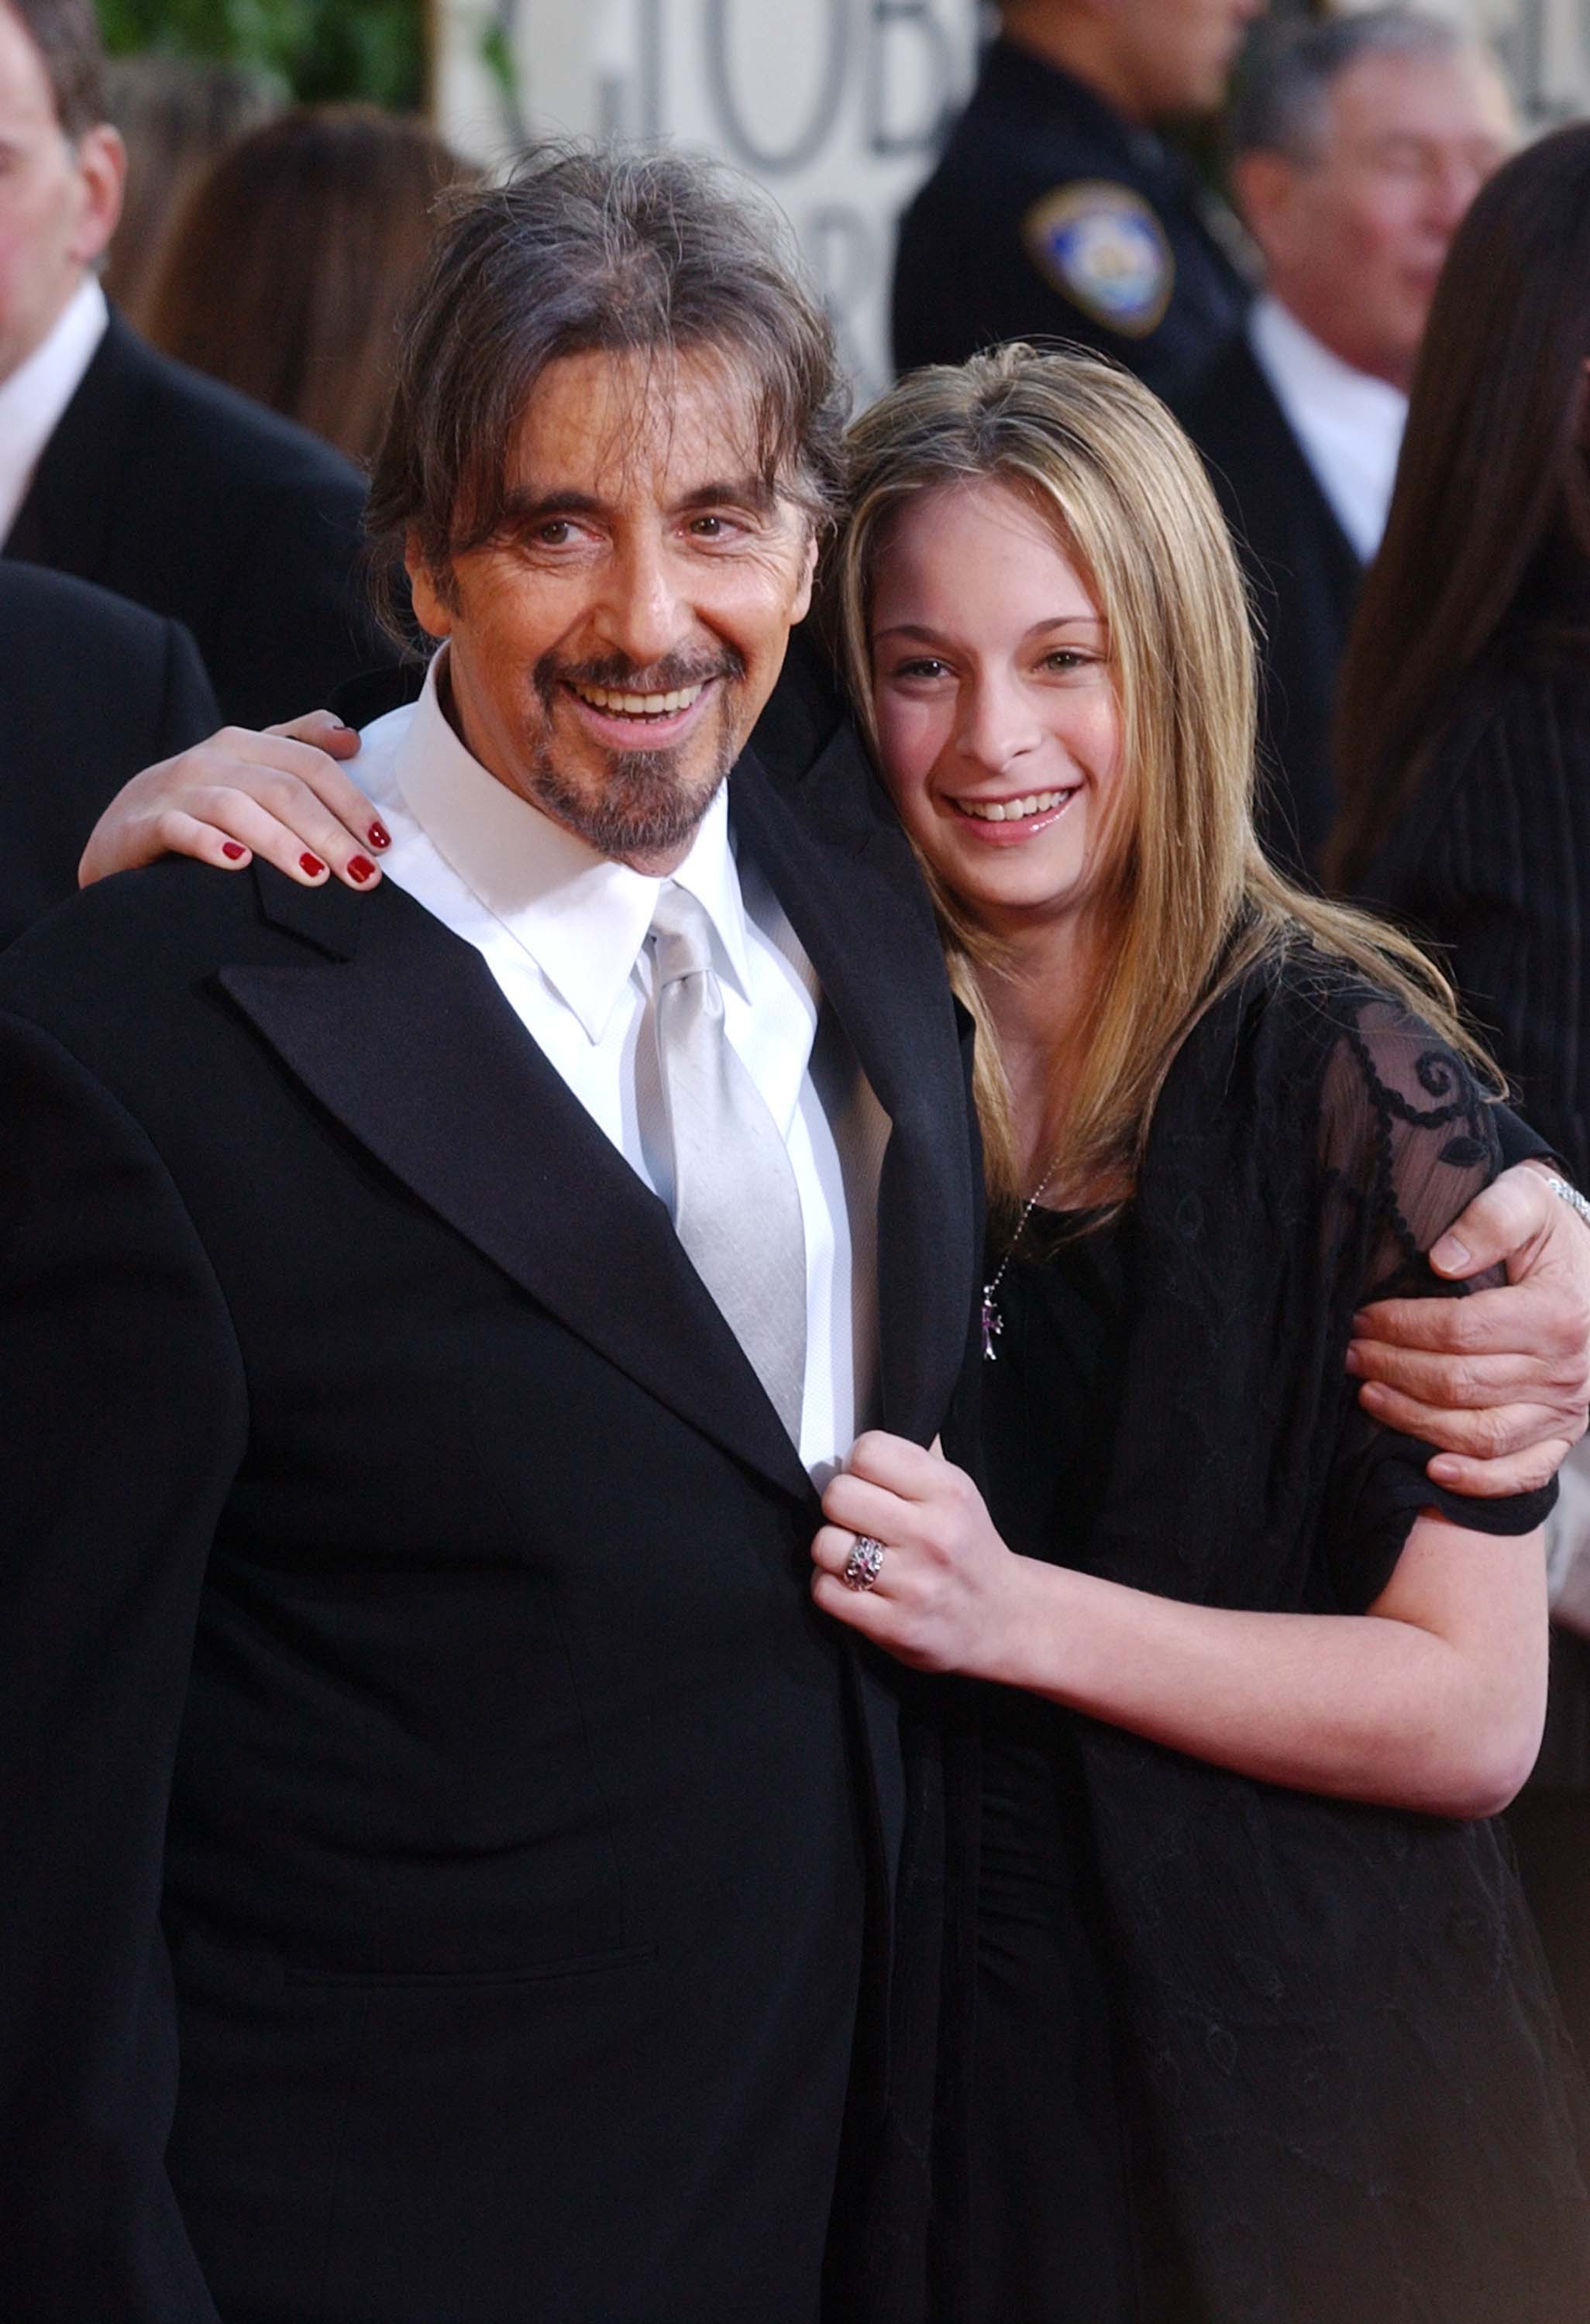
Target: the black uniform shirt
(1049, 216)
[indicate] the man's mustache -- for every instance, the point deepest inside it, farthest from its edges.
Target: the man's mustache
(622, 676)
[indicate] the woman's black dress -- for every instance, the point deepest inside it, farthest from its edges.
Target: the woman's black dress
(1297, 2057)
(1049, 2215)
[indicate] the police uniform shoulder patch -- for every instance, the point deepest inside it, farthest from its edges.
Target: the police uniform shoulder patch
(1101, 245)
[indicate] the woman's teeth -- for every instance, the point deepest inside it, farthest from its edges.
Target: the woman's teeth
(1012, 810)
(639, 706)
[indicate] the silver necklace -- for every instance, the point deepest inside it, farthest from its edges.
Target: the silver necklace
(992, 1321)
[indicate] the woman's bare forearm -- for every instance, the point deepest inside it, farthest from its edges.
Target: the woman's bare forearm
(1369, 1706)
(1433, 1699)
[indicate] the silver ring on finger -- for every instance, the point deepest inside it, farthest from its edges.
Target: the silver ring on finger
(864, 1563)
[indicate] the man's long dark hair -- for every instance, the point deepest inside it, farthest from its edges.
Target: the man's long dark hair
(1491, 514)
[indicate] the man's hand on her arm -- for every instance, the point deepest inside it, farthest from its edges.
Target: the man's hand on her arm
(1501, 1380)
(279, 795)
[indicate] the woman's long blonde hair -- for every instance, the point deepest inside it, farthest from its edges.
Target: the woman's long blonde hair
(1191, 902)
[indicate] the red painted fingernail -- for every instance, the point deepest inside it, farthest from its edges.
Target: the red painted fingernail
(229, 847)
(311, 865)
(379, 836)
(359, 867)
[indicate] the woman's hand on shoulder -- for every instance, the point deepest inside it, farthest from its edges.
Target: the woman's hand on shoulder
(280, 795)
(949, 1591)
(1501, 1380)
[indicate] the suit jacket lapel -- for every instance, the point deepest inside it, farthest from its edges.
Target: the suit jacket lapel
(1341, 568)
(412, 1038)
(410, 1045)
(842, 871)
(65, 521)
(840, 866)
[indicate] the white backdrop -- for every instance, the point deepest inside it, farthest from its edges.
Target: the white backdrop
(834, 105)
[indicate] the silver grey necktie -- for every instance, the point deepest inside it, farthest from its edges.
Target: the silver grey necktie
(736, 1208)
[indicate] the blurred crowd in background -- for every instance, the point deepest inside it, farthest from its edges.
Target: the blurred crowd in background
(1367, 298)
(271, 245)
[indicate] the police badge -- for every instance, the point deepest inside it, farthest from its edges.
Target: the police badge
(1101, 246)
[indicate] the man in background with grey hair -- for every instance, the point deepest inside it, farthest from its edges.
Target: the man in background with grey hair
(1357, 146)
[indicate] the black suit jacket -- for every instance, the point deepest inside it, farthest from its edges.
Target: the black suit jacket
(446, 1850)
(1304, 574)
(170, 490)
(1491, 862)
(94, 690)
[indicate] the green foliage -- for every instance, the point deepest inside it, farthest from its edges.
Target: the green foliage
(320, 50)
(498, 52)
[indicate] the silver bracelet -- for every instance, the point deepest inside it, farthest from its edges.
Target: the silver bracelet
(1570, 1195)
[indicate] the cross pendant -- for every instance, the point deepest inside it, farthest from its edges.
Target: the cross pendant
(993, 1325)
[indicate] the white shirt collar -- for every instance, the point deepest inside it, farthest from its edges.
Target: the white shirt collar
(1348, 423)
(581, 917)
(36, 394)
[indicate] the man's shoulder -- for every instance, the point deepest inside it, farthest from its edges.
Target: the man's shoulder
(56, 616)
(805, 711)
(1256, 464)
(67, 745)
(187, 423)
(160, 934)
(994, 168)
(808, 747)
(1219, 413)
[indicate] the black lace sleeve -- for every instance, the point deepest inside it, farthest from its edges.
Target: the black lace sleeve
(1406, 1138)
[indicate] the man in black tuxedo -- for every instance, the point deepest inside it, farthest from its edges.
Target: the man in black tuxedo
(449, 1862)
(95, 688)
(1358, 144)
(135, 471)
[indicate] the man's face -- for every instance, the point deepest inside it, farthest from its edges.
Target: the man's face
(1355, 234)
(1181, 52)
(59, 202)
(610, 653)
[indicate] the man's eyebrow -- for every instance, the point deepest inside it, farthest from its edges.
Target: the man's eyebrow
(748, 492)
(530, 505)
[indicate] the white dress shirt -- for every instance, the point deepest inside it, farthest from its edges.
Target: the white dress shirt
(1348, 424)
(39, 389)
(563, 931)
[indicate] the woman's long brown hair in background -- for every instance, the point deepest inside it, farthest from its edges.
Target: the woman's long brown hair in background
(287, 269)
(1492, 491)
(176, 114)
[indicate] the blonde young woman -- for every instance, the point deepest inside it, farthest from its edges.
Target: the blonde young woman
(1259, 2027)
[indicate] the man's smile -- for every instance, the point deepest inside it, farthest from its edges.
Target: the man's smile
(621, 717)
(638, 706)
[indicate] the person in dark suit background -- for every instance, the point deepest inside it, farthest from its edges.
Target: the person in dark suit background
(1055, 210)
(128, 470)
(1358, 144)
(1464, 745)
(94, 690)
(449, 1862)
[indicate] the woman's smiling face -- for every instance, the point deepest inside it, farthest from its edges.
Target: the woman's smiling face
(999, 726)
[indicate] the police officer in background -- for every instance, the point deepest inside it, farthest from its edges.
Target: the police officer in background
(1055, 211)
